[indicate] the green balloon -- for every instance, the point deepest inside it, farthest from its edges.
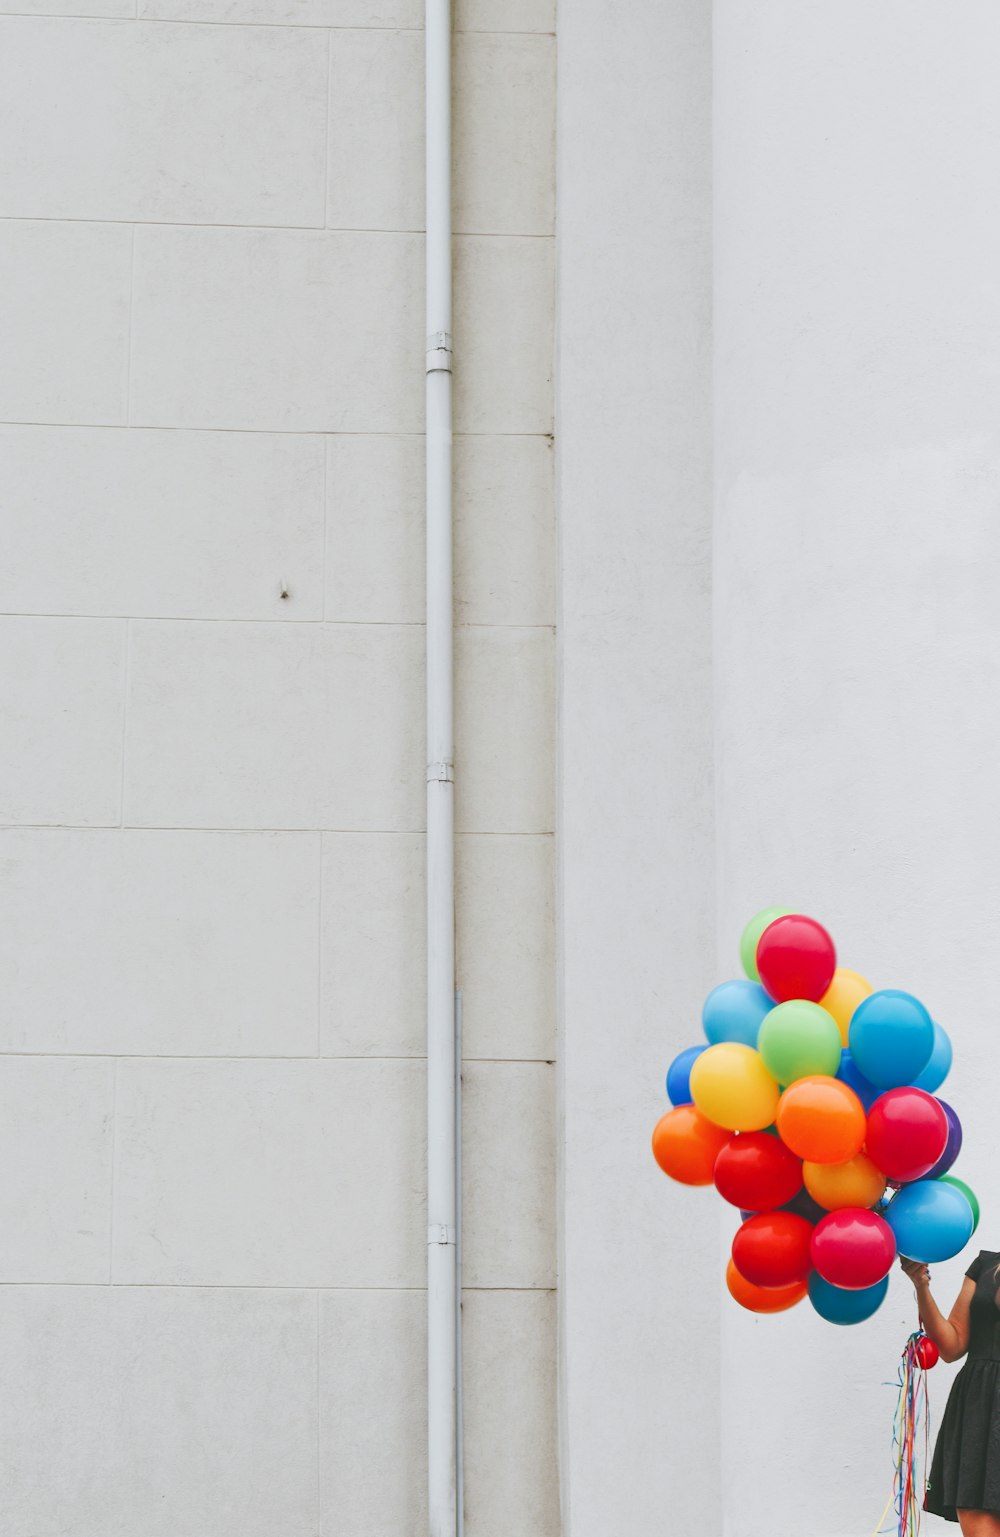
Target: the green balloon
(970, 1195)
(751, 938)
(798, 1039)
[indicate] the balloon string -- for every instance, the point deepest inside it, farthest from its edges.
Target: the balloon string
(912, 1414)
(881, 1519)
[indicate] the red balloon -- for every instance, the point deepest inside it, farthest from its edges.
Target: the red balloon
(927, 1352)
(796, 958)
(773, 1249)
(853, 1248)
(907, 1133)
(757, 1172)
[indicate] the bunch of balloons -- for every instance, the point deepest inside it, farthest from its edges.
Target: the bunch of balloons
(812, 1108)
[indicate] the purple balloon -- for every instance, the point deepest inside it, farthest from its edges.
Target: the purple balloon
(803, 1205)
(954, 1145)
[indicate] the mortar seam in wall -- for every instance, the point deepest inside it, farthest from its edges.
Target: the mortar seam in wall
(265, 432)
(326, 138)
(205, 1059)
(131, 313)
(319, 956)
(333, 624)
(319, 1423)
(326, 517)
(546, 1289)
(114, 1167)
(126, 655)
(268, 229)
(173, 827)
(267, 26)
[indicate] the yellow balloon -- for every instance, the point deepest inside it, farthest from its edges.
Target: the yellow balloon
(854, 1183)
(843, 996)
(732, 1087)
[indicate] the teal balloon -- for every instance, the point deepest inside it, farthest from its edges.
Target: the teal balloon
(733, 1011)
(839, 1306)
(891, 1038)
(938, 1068)
(970, 1195)
(932, 1221)
(799, 1039)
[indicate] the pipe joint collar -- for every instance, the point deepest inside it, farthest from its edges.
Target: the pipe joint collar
(439, 351)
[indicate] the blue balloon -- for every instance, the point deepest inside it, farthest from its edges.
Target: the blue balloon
(679, 1076)
(839, 1306)
(932, 1221)
(891, 1037)
(733, 1011)
(938, 1068)
(848, 1073)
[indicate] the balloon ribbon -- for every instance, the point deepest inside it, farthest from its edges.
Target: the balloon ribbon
(911, 1430)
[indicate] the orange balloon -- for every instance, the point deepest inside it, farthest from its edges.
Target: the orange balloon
(686, 1145)
(763, 1299)
(854, 1183)
(821, 1120)
(843, 995)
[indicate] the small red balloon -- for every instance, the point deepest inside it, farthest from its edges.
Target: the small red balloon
(926, 1352)
(773, 1249)
(907, 1133)
(853, 1248)
(757, 1172)
(796, 958)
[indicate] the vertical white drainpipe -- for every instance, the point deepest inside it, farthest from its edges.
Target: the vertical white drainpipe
(442, 1288)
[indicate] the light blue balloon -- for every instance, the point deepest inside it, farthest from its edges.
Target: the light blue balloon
(733, 1011)
(932, 1221)
(848, 1073)
(679, 1075)
(839, 1306)
(891, 1038)
(938, 1068)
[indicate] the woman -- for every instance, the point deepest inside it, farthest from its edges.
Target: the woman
(964, 1482)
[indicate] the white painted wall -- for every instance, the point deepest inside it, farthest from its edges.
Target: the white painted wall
(211, 856)
(854, 653)
(639, 1257)
(211, 796)
(857, 320)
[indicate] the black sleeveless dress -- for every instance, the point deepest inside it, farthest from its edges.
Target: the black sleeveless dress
(965, 1468)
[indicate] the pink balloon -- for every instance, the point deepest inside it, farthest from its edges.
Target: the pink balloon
(907, 1133)
(853, 1248)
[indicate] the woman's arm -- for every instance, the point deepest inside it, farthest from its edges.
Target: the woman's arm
(951, 1334)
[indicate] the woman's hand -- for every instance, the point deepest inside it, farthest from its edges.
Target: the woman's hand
(917, 1272)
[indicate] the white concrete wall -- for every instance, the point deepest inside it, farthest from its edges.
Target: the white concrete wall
(857, 642)
(211, 903)
(639, 1277)
(854, 651)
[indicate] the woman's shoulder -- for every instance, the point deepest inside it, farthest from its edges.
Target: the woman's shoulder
(986, 1259)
